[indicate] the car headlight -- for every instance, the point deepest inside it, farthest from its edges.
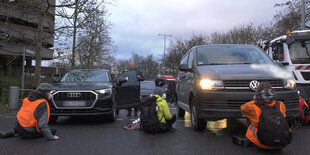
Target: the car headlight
(289, 84)
(104, 91)
(207, 84)
(53, 91)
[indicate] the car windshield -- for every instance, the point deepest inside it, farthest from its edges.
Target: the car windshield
(300, 52)
(86, 76)
(148, 85)
(223, 55)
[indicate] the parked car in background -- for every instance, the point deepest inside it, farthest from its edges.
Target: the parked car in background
(92, 92)
(215, 80)
(170, 84)
(146, 88)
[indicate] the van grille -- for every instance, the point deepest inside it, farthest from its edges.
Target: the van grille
(246, 83)
(306, 75)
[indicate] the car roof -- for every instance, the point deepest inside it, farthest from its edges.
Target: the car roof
(89, 70)
(225, 45)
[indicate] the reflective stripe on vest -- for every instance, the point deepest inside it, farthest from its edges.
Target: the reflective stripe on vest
(25, 116)
(252, 136)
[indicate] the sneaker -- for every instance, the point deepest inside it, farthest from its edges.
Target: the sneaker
(237, 140)
(7, 134)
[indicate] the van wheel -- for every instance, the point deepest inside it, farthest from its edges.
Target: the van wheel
(198, 124)
(180, 112)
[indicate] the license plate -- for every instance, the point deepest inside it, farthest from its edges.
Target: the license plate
(74, 103)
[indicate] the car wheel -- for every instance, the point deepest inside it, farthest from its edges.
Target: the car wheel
(53, 119)
(198, 124)
(180, 112)
(113, 115)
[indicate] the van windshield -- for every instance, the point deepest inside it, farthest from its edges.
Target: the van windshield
(300, 52)
(234, 54)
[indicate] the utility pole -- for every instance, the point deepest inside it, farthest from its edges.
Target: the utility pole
(303, 14)
(165, 36)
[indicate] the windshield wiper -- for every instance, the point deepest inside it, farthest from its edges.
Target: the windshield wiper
(228, 63)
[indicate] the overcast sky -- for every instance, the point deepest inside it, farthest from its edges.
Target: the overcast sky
(137, 22)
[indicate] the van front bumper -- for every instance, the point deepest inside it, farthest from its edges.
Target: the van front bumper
(215, 105)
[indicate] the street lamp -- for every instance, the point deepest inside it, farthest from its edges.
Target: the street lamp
(165, 36)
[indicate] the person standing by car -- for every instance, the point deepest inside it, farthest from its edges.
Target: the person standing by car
(268, 127)
(140, 77)
(33, 116)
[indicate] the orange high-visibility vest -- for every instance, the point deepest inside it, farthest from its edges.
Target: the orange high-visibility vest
(25, 116)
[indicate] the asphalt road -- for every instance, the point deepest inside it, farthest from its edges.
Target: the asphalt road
(93, 135)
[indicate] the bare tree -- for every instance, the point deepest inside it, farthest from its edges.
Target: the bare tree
(95, 44)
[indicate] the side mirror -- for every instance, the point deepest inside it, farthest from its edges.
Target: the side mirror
(285, 63)
(184, 67)
(121, 81)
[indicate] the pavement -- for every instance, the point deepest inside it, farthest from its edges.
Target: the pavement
(95, 135)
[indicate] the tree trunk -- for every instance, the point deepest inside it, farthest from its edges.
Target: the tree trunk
(37, 70)
(74, 34)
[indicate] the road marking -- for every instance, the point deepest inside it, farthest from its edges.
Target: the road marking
(119, 119)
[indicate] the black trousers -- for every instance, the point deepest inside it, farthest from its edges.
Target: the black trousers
(30, 135)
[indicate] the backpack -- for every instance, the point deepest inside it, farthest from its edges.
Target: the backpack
(273, 129)
(304, 111)
(148, 118)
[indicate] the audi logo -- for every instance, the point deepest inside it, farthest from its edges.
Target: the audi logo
(254, 84)
(74, 95)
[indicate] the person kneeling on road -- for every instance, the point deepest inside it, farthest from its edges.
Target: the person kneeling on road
(268, 129)
(155, 112)
(33, 116)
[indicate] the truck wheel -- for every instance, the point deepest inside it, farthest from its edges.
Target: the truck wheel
(180, 112)
(198, 124)
(53, 119)
(113, 115)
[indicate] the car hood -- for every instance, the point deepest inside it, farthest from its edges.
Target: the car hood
(244, 71)
(82, 86)
(146, 91)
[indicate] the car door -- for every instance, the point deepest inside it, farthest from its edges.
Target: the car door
(188, 77)
(127, 93)
(181, 92)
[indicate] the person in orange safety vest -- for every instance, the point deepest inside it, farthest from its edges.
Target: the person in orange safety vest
(33, 116)
(252, 111)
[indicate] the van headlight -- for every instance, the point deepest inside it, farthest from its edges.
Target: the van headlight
(104, 91)
(207, 84)
(289, 84)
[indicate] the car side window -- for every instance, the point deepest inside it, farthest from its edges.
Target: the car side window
(131, 76)
(190, 59)
(184, 60)
(278, 51)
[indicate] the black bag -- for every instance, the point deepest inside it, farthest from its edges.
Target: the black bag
(273, 129)
(148, 118)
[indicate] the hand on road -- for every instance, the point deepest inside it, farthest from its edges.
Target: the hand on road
(56, 137)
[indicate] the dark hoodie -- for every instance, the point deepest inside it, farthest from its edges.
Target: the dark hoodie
(41, 115)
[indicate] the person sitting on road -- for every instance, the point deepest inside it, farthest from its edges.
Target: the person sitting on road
(33, 116)
(268, 127)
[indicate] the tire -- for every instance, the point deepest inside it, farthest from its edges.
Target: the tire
(198, 124)
(180, 112)
(53, 119)
(112, 117)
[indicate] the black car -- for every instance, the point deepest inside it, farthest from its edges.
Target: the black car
(92, 92)
(215, 80)
(147, 88)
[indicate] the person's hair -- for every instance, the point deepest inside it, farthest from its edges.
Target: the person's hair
(262, 86)
(158, 83)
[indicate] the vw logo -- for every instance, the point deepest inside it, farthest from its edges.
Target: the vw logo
(74, 95)
(254, 84)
